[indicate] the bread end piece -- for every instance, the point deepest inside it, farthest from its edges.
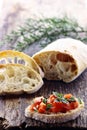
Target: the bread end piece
(62, 59)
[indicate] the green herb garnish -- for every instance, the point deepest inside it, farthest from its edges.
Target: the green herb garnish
(60, 98)
(80, 101)
(43, 31)
(44, 100)
(48, 106)
(72, 99)
(63, 100)
(58, 95)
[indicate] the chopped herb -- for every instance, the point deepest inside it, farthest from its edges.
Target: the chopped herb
(60, 98)
(44, 100)
(48, 106)
(72, 99)
(35, 109)
(58, 95)
(63, 100)
(80, 101)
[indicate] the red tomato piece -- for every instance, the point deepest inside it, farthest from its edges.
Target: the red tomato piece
(51, 98)
(42, 108)
(68, 95)
(57, 107)
(74, 105)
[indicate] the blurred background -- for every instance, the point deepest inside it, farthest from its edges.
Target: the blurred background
(14, 12)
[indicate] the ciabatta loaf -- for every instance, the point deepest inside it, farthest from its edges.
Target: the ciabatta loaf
(18, 79)
(16, 57)
(54, 111)
(65, 59)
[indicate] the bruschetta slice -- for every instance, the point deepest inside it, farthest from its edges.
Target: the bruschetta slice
(57, 108)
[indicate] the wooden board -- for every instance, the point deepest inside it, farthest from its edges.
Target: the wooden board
(12, 107)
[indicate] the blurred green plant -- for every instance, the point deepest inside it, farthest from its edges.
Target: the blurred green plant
(44, 31)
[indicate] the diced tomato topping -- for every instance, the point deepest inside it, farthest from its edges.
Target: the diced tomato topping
(51, 98)
(38, 100)
(54, 105)
(66, 107)
(42, 108)
(74, 105)
(32, 107)
(57, 107)
(68, 95)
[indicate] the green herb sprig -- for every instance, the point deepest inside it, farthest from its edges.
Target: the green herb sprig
(44, 31)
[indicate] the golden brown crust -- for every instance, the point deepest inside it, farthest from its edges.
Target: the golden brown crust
(18, 57)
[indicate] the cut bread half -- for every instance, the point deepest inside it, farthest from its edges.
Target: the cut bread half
(57, 117)
(16, 57)
(65, 59)
(18, 79)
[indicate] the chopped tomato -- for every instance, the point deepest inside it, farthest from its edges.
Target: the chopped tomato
(32, 107)
(38, 100)
(74, 105)
(57, 107)
(66, 107)
(55, 103)
(68, 95)
(51, 98)
(42, 108)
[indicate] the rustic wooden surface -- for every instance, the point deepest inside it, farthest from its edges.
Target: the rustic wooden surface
(12, 107)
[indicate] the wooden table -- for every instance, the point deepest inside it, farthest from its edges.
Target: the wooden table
(12, 107)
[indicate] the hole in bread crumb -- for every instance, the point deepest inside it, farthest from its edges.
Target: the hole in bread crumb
(2, 78)
(42, 68)
(21, 61)
(33, 85)
(73, 68)
(53, 59)
(3, 61)
(25, 80)
(64, 57)
(15, 60)
(10, 71)
(51, 66)
(9, 60)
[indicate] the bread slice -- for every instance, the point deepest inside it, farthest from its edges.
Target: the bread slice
(16, 57)
(65, 59)
(18, 79)
(55, 117)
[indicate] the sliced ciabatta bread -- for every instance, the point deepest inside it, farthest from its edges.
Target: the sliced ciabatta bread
(55, 109)
(18, 79)
(65, 59)
(16, 57)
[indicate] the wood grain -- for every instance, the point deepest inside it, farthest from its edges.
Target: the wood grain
(12, 107)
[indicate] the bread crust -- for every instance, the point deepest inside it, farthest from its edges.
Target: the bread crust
(12, 56)
(55, 117)
(18, 79)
